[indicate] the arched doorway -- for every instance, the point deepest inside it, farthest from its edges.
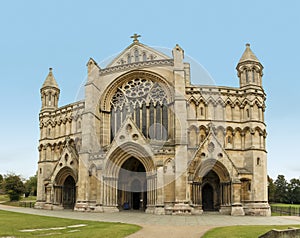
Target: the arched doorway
(69, 193)
(211, 192)
(132, 185)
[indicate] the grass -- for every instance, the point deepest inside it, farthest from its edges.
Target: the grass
(285, 205)
(11, 223)
(4, 199)
(282, 209)
(241, 231)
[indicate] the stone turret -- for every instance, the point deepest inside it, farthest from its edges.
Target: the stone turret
(249, 69)
(50, 93)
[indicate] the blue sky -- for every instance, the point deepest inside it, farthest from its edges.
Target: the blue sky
(36, 35)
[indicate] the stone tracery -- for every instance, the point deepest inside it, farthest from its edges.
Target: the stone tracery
(138, 98)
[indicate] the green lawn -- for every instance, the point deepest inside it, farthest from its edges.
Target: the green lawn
(285, 205)
(241, 231)
(4, 199)
(11, 224)
(282, 209)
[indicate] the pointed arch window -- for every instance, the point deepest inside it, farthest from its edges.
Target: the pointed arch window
(136, 56)
(146, 102)
(49, 99)
(258, 162)
(128, 59)
(247, 113)
(247, 76)
(201, 111)
(144, 56)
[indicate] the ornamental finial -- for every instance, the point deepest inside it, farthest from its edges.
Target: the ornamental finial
(135, 37)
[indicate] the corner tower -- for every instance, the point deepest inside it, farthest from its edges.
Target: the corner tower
(249, 69)
(50, 93)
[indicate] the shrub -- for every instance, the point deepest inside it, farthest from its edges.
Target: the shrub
(13, 187)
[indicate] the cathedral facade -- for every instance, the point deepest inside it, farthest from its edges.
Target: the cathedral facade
(145, 138)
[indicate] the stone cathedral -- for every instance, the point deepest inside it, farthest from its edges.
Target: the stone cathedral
(144, 137)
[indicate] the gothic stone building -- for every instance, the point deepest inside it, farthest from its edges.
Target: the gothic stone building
(145, 138)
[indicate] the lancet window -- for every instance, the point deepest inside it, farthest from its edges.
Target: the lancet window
(146, 102)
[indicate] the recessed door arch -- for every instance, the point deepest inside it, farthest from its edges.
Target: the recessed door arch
(132, 185)
(65, 188)
(211, 198)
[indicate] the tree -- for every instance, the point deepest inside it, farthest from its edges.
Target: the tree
(13, 186)
(31, 186)
(294, 191)
(281, 191)
(1, 182)
(271, 189)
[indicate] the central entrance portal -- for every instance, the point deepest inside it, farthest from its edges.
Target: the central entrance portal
(132, 186)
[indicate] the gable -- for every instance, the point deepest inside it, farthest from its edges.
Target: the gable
(137, 52)
(66, 165)
(211, 155)
(130, 133)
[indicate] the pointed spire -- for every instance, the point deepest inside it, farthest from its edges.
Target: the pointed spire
(248, 55)
(249, 69)
(50, 80)
(50, 92)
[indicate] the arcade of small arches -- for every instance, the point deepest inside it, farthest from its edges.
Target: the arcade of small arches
(49, 97)
(230, 138)
(136, 56)
(228, 110)
(59, 128)
(56, 149)
(251, 74)
(67, 120)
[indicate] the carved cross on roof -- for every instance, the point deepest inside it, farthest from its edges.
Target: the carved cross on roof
(135, 37)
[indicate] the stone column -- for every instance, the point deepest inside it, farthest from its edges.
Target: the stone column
(198, 199)
(159, 187)
(82, 196)
(180, 126)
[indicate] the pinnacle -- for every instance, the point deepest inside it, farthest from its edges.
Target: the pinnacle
(248, 55)
(50, 80)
